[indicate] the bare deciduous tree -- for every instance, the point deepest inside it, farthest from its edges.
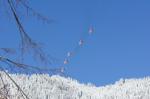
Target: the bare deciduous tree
(27, 45)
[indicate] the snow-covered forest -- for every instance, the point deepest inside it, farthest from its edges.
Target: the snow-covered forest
(43, 86)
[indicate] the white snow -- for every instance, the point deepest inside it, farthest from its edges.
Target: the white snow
(42, 86)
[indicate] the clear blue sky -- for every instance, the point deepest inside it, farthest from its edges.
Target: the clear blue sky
(119, 48)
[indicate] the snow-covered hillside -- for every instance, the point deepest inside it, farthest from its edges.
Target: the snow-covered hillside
(57, 87)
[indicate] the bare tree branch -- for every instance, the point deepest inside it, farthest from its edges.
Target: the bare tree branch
(27, 43)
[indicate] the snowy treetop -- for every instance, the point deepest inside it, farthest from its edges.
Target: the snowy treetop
(43, 86)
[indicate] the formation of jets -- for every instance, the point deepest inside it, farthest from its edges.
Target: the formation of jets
(80, 43)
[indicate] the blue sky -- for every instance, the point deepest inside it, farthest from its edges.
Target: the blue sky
(119, 47)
